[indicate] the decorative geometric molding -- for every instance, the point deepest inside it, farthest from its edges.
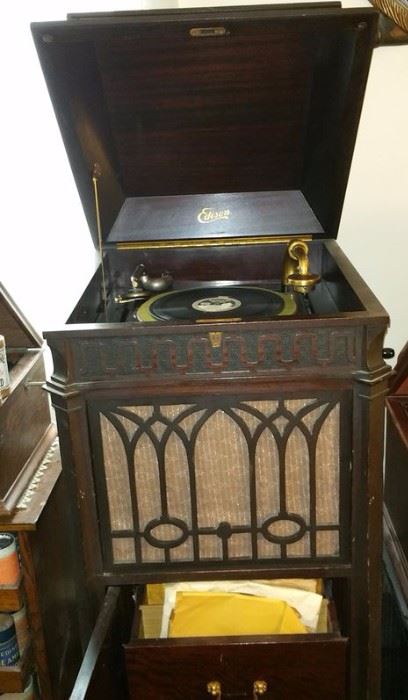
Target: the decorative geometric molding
(245, 352)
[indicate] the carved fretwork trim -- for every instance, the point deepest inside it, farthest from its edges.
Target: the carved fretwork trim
(194, 354)
(222, 480)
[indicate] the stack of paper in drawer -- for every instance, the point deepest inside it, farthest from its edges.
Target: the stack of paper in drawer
(213, 608)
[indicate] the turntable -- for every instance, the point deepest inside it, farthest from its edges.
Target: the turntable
(225, 338)
(217, 304)
(221, 301)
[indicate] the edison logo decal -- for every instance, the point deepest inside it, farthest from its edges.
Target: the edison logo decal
(208, 214)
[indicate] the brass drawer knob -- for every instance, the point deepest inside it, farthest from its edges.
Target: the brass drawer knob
(214, 689)
(259, 688)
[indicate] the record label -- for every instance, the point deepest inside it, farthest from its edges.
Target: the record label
(213, 305)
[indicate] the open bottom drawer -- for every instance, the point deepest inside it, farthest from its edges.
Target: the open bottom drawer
(284, 667)
(288, 667)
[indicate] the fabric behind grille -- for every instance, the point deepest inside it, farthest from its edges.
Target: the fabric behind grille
(202, 467)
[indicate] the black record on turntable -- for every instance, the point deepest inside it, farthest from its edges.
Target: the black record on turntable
(206, 304)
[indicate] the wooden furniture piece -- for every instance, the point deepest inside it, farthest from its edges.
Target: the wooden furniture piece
(24, 524)
(395, 613)
(394, 632)
(396, 473)
(26, 430)
(33, 505)
(48, 585)
(203, 142)
(289, 665)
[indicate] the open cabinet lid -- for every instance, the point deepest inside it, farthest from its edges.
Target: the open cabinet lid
(247, 110)
(17, 331)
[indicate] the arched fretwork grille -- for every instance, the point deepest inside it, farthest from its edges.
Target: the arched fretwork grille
(246, 480)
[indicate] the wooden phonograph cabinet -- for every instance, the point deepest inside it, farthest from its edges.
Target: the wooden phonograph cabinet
(219, 385)
(396, 474)
(395, 618)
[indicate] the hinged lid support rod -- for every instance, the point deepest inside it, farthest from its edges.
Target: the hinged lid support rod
(96, 174)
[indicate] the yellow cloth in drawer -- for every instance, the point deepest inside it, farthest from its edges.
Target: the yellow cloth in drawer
(202, 614)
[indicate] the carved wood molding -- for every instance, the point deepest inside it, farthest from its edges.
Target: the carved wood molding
(252, 353)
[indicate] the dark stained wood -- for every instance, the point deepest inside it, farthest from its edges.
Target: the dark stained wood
(98, 638)
(396, 483)
(50, 584)
(58, 593)
(102, 676)
(223, 114)
(131, 15)
(293, 669)
(399, 379)
(36, 626)
(26, 431)
(270, 105)
(365, 608)
(397, 417)
(99, 352)
(17, 331)
(33, 500)
(241, 214)
(345, 347)
(26, 518)
(395, 548)
(396, 469)
(335, 104)
(203, 117)
(189, 664)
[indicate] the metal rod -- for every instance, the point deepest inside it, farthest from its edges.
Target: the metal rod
(96, 173)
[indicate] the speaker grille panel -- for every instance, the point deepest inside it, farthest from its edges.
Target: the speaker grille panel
(244, 481)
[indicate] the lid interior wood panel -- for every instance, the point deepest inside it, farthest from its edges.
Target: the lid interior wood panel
(270, 104)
